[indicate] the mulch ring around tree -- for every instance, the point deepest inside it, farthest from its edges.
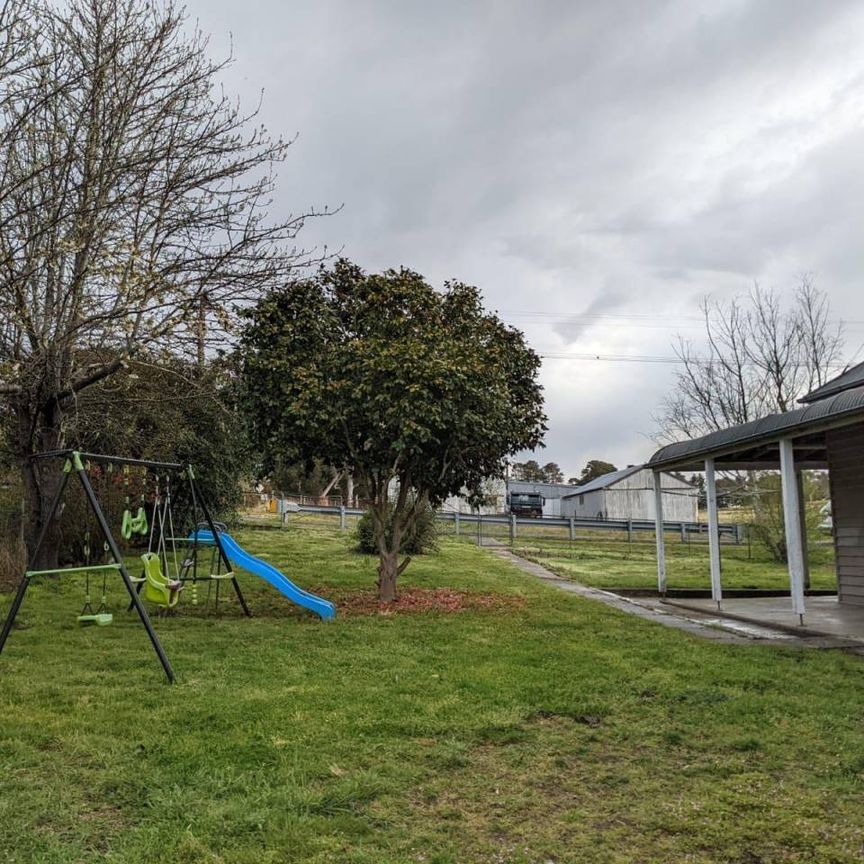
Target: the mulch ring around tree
(411, 601)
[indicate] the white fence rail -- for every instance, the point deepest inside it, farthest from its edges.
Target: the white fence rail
(630, 527)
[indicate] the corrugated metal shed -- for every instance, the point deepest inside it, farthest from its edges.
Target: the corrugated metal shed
(604, 481)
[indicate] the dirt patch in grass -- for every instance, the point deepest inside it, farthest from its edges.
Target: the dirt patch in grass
(411, 601)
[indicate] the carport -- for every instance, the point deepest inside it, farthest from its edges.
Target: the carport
(827, 433)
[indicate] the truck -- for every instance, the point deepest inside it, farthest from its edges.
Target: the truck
(526, 504)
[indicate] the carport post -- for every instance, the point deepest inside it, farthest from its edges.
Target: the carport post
(802, 513)
(792, 523)
(658, 531)
(713, 532)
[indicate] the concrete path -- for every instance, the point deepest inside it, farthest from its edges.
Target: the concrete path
(704, 625)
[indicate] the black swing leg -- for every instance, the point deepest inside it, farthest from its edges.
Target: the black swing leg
(23, 585)
(138, 587)
(240, 597)
(115, 552)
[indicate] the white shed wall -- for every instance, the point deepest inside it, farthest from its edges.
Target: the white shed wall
(590, 505)
(633, 498)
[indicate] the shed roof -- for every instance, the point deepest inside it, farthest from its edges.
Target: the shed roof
(604, 481)
(853, 377)
(755, 438)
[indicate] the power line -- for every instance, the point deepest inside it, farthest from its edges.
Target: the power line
(638, 358)
(663, 322)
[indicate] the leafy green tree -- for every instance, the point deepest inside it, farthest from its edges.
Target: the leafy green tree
(529, 471)
(301, 478)
(552, 473)
(422, 392)
(152, 408)
(171, 411)
(594, 469)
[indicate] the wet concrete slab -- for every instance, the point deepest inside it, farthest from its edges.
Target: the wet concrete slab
(701, 617)
(709, 627)
(824, 617)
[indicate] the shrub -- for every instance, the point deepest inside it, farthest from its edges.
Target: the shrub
(422, 537)
(768, 519)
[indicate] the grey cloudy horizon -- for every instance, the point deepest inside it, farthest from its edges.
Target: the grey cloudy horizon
(595, 168)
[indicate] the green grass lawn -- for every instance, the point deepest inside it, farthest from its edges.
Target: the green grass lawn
(608, 562)
(549, 730)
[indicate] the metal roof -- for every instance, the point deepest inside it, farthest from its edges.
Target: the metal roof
(553, 491)
(828, 411)
(853, 377)
(604, 481)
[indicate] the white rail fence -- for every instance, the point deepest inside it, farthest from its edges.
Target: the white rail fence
(475, 523)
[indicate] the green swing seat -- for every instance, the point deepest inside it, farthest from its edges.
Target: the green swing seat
(136, 524)
(100, 619)
(158, 589)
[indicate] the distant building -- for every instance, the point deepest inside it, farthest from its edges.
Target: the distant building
(552, 493)
(494, 492)
(629, 494)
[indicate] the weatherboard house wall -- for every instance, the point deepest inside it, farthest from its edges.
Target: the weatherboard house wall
(846, 471)
(629, 494)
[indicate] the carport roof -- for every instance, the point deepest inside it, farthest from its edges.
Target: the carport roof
(755, 444)
(853, 377)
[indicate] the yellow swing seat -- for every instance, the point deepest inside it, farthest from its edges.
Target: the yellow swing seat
(158, 589)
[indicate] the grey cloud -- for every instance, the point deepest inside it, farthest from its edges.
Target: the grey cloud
(613, 158)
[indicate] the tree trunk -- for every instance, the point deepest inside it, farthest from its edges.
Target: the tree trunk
(40, 480)
(388, 572)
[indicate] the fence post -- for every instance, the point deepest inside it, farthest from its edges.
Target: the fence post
(572, 528)
(739, 534)
(342, 522)
(629, 530)
(512, 528)
(683, 532)
(456, 522)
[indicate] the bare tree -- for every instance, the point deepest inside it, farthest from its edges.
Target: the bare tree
(133, 209)
(759, 358)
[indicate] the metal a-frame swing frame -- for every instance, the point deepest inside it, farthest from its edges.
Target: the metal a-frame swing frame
(74, 461)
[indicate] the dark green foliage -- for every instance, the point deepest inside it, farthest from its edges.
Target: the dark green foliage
(529, 471)
(768, 525)
(532, 472)
(348, 368)
(414, 389)
(170, 412)
(422, 538)
(594, 469)
(301, 478)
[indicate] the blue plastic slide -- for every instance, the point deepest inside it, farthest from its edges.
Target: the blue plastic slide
(239, 556)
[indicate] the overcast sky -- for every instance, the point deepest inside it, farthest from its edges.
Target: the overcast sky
(594, 167)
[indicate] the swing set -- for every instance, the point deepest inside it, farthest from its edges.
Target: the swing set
(164, 574)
